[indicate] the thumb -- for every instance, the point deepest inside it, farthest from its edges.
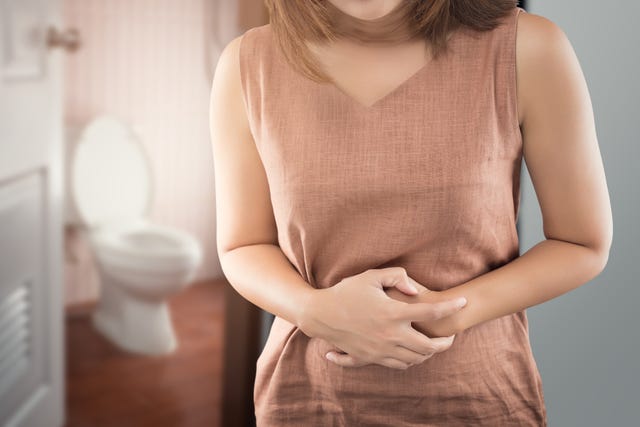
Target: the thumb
(396, 277)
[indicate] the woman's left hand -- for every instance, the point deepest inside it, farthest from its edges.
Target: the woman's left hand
(442, 327)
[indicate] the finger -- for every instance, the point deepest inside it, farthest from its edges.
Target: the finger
(407, 286)
(394, 277)
(420, 343)
(419, 286)
(442, 343)
(411, 357)
(344, 359)
(431, 310)
(390, 362)
(348, 361)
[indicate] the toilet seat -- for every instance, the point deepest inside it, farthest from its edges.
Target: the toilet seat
(141, 245)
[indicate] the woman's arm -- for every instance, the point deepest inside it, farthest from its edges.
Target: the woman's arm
(563, 159)
(247, 240)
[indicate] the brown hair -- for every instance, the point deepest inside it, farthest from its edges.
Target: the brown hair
(293, 21)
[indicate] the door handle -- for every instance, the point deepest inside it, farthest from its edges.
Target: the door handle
(68, 40)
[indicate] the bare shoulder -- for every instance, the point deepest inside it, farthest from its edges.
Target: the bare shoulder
(539, 36)
(227, 109)
(227, 71)
(544, 56)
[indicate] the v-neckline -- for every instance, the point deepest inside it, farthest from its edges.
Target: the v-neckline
(399, 87)
(359, 106)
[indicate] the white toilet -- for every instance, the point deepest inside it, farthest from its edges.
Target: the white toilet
(140, 264)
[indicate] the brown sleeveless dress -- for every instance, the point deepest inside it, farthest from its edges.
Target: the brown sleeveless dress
(427, 178)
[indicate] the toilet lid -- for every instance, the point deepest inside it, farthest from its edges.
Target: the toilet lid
(110, 173)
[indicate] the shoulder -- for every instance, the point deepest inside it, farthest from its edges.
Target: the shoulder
(226, 76)
(545, 61)
(540, 40)
(229, 56)
(229, 66)
(236, 80)
(231, 52)
(253, 37)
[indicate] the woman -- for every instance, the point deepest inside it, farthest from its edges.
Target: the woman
(365, 147)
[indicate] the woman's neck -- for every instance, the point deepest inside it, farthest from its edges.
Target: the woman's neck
(391, 28)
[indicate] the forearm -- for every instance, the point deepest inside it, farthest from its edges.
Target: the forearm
(263, 275)
(547, 270)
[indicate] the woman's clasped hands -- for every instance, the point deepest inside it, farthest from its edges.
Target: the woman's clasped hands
(358, 317)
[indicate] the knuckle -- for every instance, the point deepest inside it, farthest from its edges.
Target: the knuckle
(400, 270)
(437, 312)
(365, 275)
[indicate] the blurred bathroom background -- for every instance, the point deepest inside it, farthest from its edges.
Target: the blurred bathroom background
(151, 63)
(124, 323)
(111, 97)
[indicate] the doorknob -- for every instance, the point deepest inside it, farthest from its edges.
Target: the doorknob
(68, 39)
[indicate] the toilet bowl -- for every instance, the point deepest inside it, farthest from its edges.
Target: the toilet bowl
(140, 263)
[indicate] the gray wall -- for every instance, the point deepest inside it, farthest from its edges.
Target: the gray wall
(587, 341)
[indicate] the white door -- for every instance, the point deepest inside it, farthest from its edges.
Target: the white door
(31, 312)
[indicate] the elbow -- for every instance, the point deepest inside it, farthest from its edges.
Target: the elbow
(604, 248)
(601, 254)
(598, 263)
(225, 248)
(599, 246)
(603, 257)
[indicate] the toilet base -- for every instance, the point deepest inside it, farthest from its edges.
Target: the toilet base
(134, 325)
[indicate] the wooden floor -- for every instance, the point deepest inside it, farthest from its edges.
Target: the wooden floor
(107, 387)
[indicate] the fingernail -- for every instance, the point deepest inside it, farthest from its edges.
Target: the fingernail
(329, 356)
(461, 302)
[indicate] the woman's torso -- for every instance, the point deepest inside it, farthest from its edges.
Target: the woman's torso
(427, 177)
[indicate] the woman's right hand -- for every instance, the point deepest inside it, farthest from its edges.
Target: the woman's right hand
(359, 318)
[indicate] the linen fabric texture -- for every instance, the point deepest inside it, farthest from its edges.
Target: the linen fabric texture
(427, 178)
